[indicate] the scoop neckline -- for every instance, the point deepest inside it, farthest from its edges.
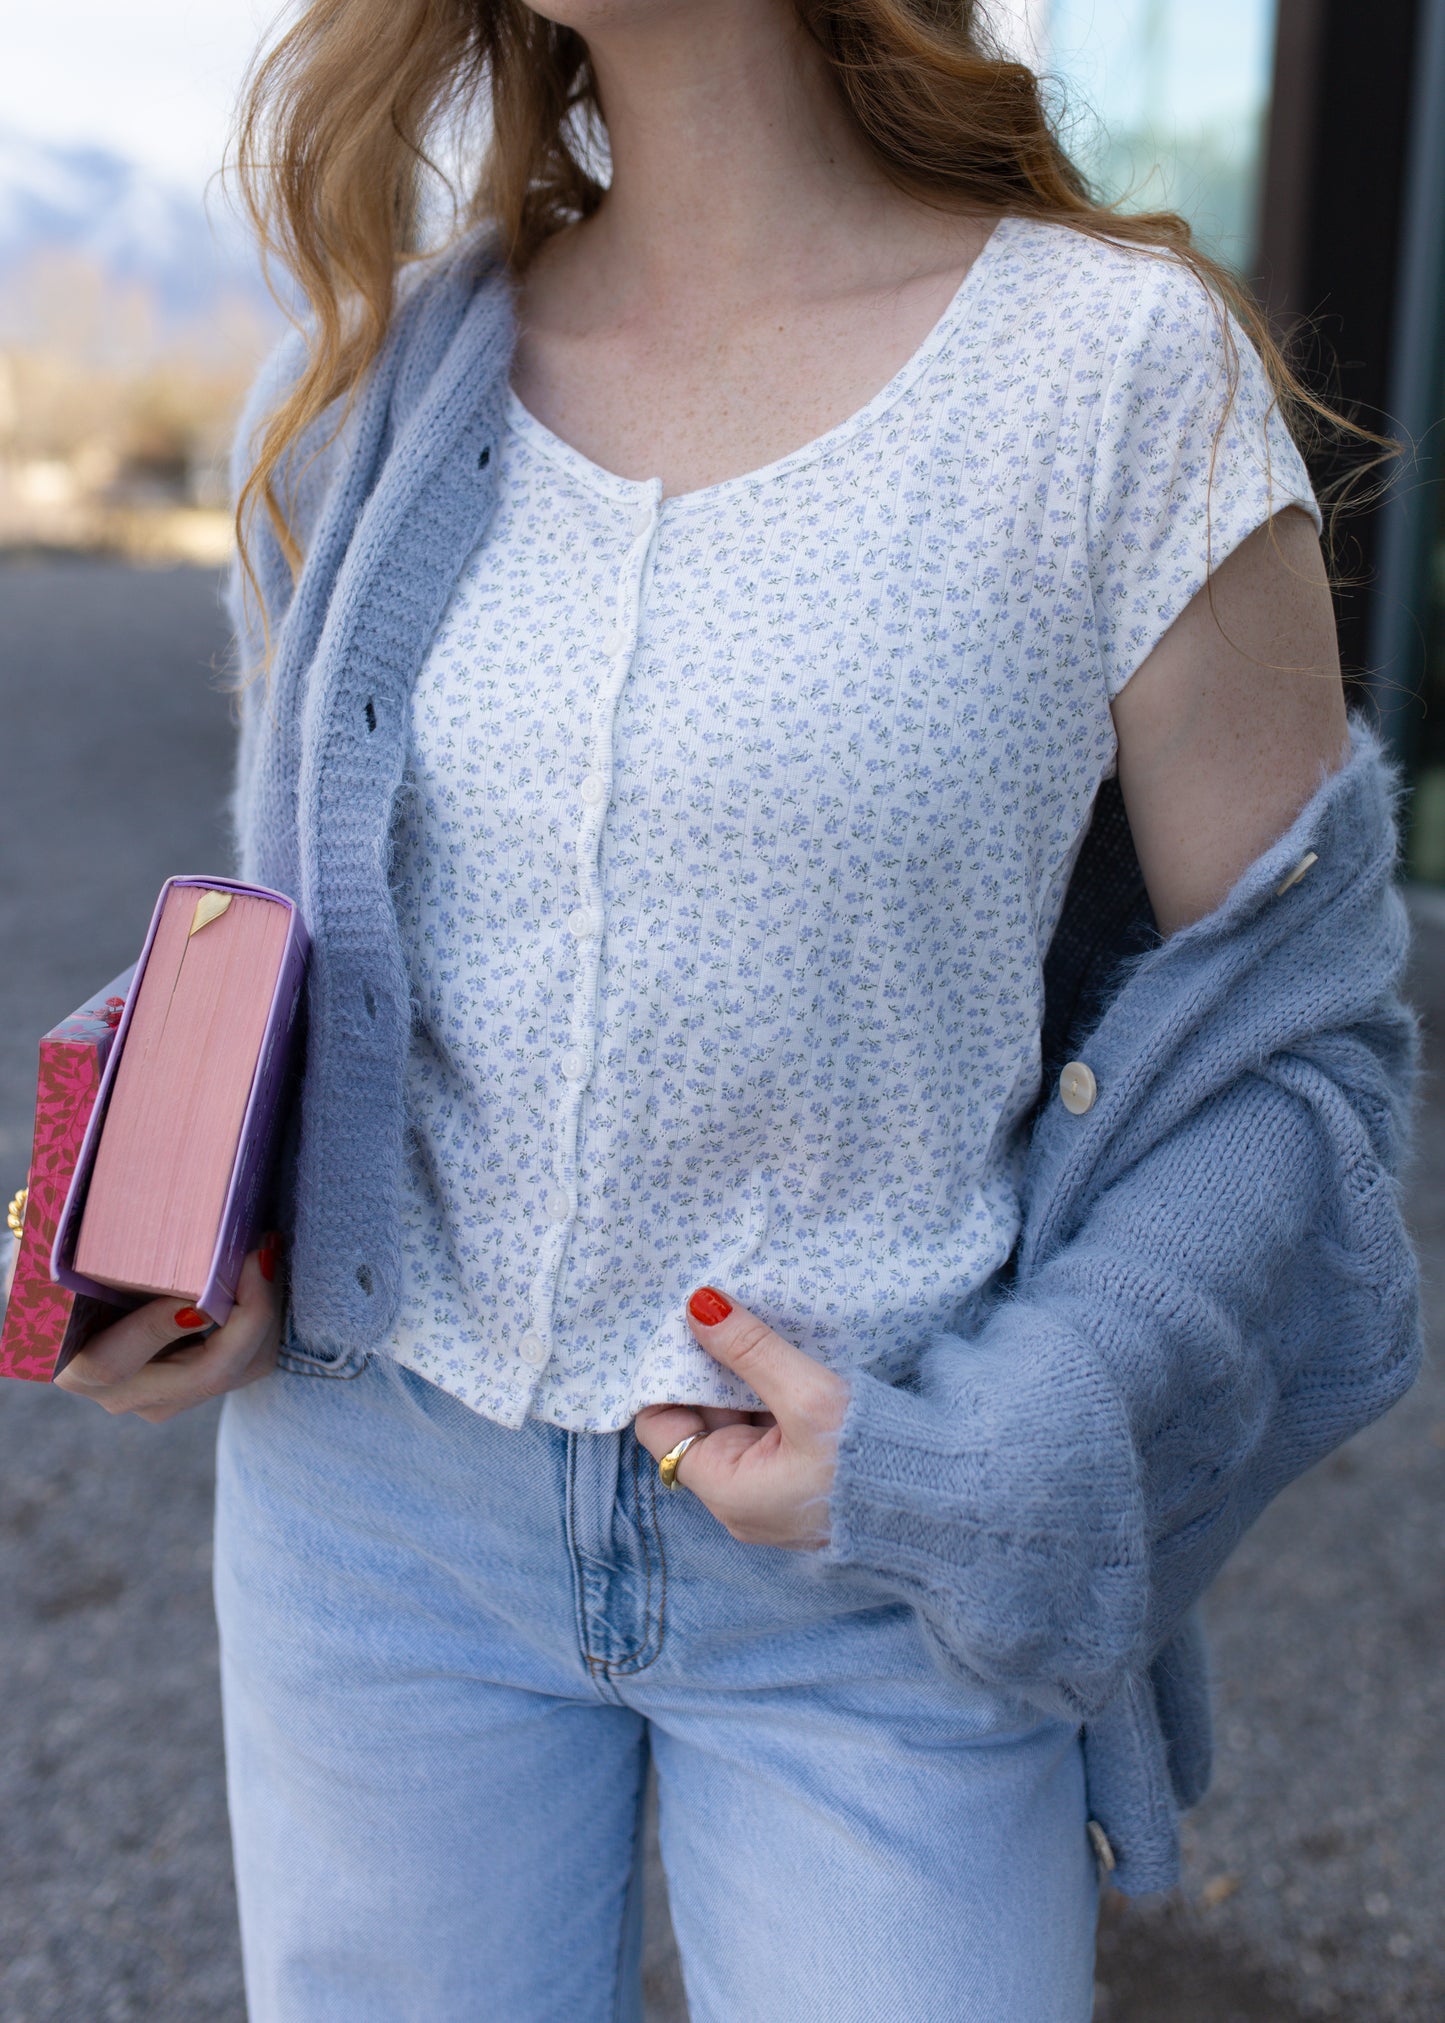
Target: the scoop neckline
(526, 424)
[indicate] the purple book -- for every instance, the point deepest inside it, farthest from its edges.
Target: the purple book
(172, 1184)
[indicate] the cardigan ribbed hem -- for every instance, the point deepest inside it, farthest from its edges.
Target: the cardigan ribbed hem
(1003, 1502)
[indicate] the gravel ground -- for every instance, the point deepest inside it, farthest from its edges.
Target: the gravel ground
(1312, 1884)
(115, 1885)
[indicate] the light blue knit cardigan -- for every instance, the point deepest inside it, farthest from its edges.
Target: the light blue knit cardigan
(1213, 1286)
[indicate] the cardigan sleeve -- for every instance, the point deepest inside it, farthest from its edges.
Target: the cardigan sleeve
(1054, 1494)
(257, 599)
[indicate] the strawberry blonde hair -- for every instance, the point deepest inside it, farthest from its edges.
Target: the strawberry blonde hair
(332, 155)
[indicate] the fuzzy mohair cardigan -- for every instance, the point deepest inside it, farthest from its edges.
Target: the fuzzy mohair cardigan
(1213, 1286)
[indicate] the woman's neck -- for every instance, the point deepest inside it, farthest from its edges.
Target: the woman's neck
(751, 277)
(734, 161)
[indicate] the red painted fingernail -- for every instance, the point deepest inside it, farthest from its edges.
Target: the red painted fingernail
(708, 1306)
(191, 1317)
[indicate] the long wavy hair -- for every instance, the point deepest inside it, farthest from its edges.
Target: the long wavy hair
(340, 119)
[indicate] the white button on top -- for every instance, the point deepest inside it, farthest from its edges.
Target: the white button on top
(574, 1064)
(558, 1204)
(643, 520)
(1077, 1088)
(593, 789)
(582, 921)
(531, 1348)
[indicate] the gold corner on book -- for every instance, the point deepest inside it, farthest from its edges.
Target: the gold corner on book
(15, 1213)
(210, 906)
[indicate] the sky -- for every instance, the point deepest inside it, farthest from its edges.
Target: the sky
(155, 80)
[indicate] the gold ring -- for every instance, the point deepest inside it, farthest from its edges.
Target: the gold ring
(667, 1466)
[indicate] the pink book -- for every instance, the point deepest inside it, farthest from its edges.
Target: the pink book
(169, 1190)
(45, 1323)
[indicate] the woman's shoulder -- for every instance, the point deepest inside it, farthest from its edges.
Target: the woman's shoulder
(431, 295)
(1112, 294)
(1147, 352)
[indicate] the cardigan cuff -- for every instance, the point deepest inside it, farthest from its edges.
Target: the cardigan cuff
(1001, 1499)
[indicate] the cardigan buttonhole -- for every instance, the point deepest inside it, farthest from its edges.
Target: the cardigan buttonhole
(370, 714)
(484, 459)
(368, 998)
(363, 1278)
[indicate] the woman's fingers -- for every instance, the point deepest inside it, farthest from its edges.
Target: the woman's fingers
(727, 1415)
(660, 1427)
(765, 1475)
(118, 1352)
(136, 1366)
(802, 1393)
(262, 1363)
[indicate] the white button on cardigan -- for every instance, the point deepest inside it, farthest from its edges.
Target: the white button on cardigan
(1309, 859)
(1077, 1088)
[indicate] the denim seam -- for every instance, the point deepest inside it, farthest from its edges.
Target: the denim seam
(309, 1366)
(649, 1649)
(596, 1667)
(634, 1882)
(579, 1590)
(641, 1655)
(635, 1661)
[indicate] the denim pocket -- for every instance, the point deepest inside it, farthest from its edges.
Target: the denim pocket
(292, 1354)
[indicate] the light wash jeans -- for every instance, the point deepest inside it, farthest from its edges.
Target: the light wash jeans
(448, 1649)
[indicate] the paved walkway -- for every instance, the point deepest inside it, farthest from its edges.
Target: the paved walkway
(1313, 1868)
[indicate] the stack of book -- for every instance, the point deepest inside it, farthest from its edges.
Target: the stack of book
(156, 1123)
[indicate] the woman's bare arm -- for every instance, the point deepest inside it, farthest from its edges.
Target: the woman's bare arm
(1224, 729)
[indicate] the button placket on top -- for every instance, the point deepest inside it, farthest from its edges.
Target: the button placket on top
(586, 921)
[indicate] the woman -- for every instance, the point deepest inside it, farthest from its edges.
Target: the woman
(696, 616)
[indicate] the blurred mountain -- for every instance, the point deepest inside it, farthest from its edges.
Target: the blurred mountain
(124, 222)
(132, 317)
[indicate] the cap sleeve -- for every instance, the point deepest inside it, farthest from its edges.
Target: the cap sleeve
(1173, 494)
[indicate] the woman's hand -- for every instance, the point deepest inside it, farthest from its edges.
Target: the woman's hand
(135, 1366)
(765, 1475)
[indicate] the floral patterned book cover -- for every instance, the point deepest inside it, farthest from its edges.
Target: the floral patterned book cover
(45, 1323)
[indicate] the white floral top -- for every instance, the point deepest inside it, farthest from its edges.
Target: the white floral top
(736, 825)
